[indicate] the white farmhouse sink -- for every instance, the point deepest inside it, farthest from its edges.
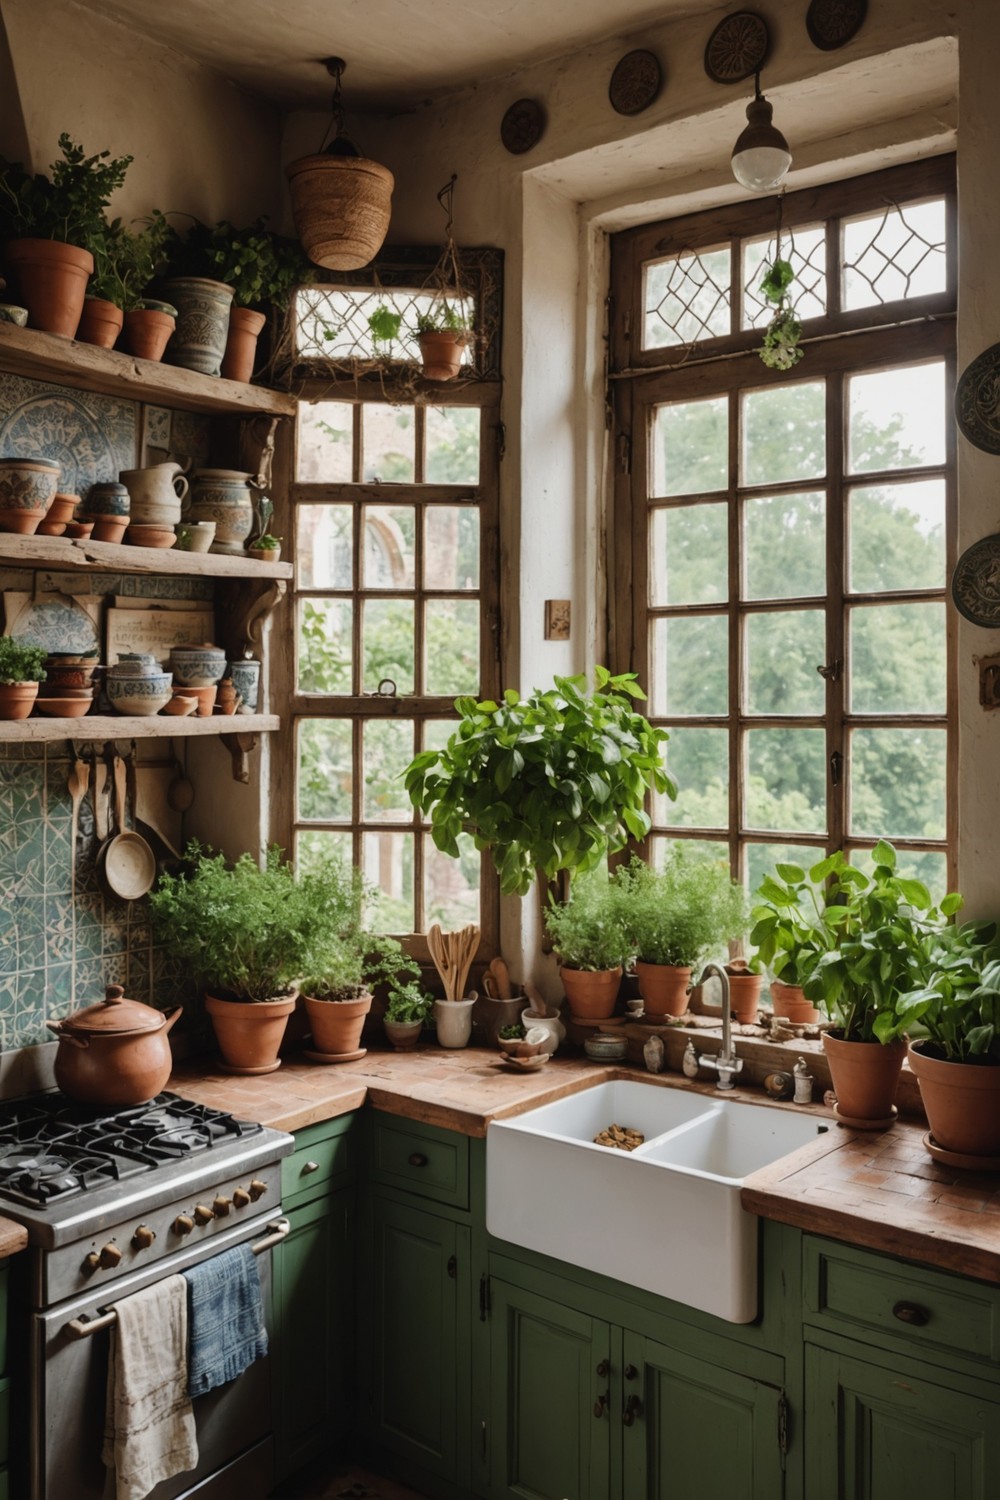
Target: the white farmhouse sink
(665, 1217)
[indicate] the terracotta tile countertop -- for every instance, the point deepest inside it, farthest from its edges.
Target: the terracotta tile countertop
(13, 1237)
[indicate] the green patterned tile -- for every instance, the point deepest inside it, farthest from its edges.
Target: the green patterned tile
(59, 991)
(114, 969)
(29, 931)
(59, 934)
(139, 980)
(29, 1016)
(89, 931)
(89, 980)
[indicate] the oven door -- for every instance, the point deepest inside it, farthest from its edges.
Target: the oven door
(69, 1393)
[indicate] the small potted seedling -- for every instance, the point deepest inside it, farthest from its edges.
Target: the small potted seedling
(442, 334)
(266, 548)
(407, 1012)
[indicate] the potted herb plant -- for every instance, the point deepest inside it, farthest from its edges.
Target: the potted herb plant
(125, 261)
(442, 334)
(551, 782)
(407, 1011)
(790, 935)
(590, 935)
(677, 916)
(266, 548)
(50, 225)
(22, 668)
(248, 931)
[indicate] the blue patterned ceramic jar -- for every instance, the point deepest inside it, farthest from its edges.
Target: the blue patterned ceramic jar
(197, 666)
(199, 340)
(106, 500)
(246, 681)
(27, 488)
(223, 496)
(145, 691)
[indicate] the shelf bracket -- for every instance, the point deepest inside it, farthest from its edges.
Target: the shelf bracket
(239, 747)
(248, 605)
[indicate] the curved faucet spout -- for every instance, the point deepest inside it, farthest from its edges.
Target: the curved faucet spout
(725, 1062)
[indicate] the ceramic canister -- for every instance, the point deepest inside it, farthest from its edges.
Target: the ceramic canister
(197, 666)
(246, 681)
(203, 306)
(223, 496)
(27, 489)
(106, 500)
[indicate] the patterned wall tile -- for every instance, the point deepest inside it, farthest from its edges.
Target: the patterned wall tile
(92, 437)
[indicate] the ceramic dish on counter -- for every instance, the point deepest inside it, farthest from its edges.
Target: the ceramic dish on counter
(602, 1048)
(524, 1064)
(64, 708)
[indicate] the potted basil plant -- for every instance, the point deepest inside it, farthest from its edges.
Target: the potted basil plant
(408, 1010)
(22, 668)
(790, 934)
(590, 935)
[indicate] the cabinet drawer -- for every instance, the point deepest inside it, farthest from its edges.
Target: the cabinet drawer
(421, 1159)
(852, 1291)
(323, 1159)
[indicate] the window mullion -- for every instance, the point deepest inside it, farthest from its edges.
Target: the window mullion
(737, 755)
(837, 552)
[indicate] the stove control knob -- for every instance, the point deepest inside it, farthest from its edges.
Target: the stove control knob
(257, 1189)
(109, 1257)
(203, 1214)
(91, 1262)
(143, 1237)
(183, 1224)
(240, 1197)
(221, 1207)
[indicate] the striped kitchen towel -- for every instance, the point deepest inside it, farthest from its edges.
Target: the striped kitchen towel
(226, 1330)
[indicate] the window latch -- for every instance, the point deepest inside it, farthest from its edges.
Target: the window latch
(831, 670)
(836, 768)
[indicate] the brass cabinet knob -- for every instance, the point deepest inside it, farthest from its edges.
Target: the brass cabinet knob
(203, 1214)
(183, 1224)
(143, 1237)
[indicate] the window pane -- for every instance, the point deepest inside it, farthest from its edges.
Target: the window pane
(805, 251)
(691, 447)
(388, 644)
(786, 779)
(699, 848)
(928, 865)
(325, 775)
(325, 546)
(687, 563)
(326, 443)
(451, 547)
(689, 666)
(762, 859)
(452, 441)
(784, 433)
(437, 733)
(897, 536)
(686, 298)
(698, 760)
(325, 638)
(313, 845)
(895, 254)
(896, 418)
(452, 646)
(451, 886)
(390, 546)
(387, 442)
(388, 750)
(783, 650)
(784, 539)
(387, 860)
(898, 783)
(898, 659)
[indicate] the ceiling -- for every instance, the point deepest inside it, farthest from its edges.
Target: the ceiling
(398, 53)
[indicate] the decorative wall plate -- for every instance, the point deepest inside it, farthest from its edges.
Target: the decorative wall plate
(522, 126)
(737, 48)
(635, 82)
(975, 585)
(977, 401)
(56, 622)
(833, 23)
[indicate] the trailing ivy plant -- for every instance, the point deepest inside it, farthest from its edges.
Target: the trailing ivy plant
(551, 782)
(780, 350)
(68, 206)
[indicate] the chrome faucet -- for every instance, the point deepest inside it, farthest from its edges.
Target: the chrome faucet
(724, 1063)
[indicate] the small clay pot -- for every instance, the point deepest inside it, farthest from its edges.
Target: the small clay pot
(336, 1025)
(864, 1077)
(404, 1035)
(591, 994)
(100, 323)
(789, 1001)
(147, 332)
(664, 988)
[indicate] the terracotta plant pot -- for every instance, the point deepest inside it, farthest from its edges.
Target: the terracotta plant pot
(789, 1001)
(663, 987)
(864, 1076)
(27, 489)
(744, 993)
(17, 699)
(962, 1102)
(245, 327)
(146, 333)
(336, 1025)
(441, 353)
(403, 1035)
(591, 994)
(249, 1033)
(52, 281)
(108, 529)
(100, 323)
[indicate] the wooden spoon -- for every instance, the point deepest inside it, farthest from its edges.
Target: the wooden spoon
(76, 785)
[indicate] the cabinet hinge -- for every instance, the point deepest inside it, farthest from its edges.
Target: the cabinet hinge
(484, 1297)
(783, 1426)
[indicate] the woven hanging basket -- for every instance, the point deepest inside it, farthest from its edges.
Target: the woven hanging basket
(341, 208)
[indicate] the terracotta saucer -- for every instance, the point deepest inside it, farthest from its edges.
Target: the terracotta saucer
(854, 1124)
(225, 1067)
(959, 1158)
(334, 1057)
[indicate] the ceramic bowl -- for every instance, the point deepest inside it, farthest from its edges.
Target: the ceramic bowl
(139, 694)
(605, 1048)
(9, 313)
(150, 536)
(197, 666)
(64, 708)
(195, 536)
(529, 1045)
(135, 664)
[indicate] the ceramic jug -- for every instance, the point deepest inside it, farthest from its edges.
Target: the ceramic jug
(156, 493)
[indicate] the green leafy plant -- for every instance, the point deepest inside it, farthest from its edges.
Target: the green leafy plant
(443, 318)
(126, 260)
(591, 930)
(68, 206)
(267, 542)
(958, 1009)
(780, 350)
(344, 957)
(789, 930)
(683, 912)
(513, 1033)
(20, 662)
(551, 782)
(408, 1002)
(262, 267)
(384, 324)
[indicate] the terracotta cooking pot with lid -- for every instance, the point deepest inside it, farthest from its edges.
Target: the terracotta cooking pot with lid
(114, 1053)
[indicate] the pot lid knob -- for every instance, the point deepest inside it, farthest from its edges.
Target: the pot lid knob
(113, 994)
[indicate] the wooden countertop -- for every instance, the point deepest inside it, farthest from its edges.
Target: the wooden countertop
(13, 1237)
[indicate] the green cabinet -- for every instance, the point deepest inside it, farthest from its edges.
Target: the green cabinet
(313, 1287)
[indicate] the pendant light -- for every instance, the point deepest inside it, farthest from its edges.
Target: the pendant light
(761, 157)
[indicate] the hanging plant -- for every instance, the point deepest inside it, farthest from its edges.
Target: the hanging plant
(780, 350)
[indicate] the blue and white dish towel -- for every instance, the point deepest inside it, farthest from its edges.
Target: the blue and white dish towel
(226, 1330)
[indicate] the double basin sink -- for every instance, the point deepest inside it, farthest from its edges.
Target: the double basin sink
(665, 1217)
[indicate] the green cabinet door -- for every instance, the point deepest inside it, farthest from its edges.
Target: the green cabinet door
(417, 1378)
(694, 1430)
(550, 1400)
(884, 1431)
(312, 1351)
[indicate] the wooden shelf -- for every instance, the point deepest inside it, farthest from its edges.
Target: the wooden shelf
(43, 356)
(70, 553)
(100, 727)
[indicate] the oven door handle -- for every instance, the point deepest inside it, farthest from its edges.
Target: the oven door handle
(82, 1328)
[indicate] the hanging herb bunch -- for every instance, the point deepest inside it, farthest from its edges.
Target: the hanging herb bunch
(780, 350)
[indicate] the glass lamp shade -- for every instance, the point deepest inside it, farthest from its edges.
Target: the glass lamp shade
(761, 157)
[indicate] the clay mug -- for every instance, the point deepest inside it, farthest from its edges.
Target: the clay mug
(157, 493)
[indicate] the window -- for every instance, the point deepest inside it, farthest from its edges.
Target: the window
(787, 535)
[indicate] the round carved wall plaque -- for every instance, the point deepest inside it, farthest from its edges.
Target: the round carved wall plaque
(737, 48)
(975, 586)
(635, 82)
(833, 23)
(977, 400)
(522, 126)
